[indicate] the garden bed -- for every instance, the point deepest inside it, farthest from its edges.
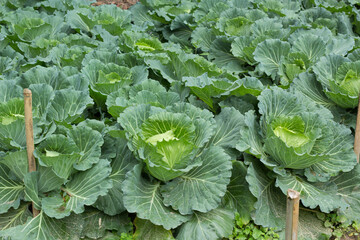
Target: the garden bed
(124, 4)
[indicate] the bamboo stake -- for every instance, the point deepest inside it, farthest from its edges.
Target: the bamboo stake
(292, 215)
(357, 134)
(29, 136)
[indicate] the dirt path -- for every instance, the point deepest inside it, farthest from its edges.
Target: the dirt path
(124, 4)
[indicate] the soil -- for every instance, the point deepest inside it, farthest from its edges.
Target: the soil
(124, 4)
(347, 236)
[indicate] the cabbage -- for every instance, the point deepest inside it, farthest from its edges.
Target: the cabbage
(340, 79)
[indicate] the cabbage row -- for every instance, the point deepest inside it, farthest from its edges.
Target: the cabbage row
(176, 114)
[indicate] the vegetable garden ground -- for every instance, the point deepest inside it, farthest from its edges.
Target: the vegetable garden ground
(124, 4)
(179, 119)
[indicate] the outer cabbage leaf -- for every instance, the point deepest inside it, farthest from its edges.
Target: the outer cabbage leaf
(29, 29)
(12, 136)
(211, 225)
(145, 199)
(68, 104)
(251, 140)
(31, 189)
(243, 47)
(340, 44)
(311, 227)
(146, 230)
(62, 55)
(132, 119)
(242, 104)
(247, 85)
(312, 195)
(147, 92)
(59, 153)
(220, 54)
(209, 11)
(108, 56)
(43, 227)
(107, 78)
(339, 149)
(306, 83)
(202, 37)
(14, 217)
(347, 189)
(141, 17)
(271, 205)
(124, 161)
(271, 54)
(179, 65)
(319, 17)
(96, 223)
(80, 18)
(227, 131)
(83, 189)
(52, 76)
(238, 195)
(89, 143)
(10, 90)
(271, 202)
(269, 28)
(202, 188)
(42, 95)
(206, 88)
(311, 45)
(11, 191)
(192, 111)
(11, 110)
(17, 162)
(113, 19)
(48, 180)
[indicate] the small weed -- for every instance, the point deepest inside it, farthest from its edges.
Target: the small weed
(247, 230)
(342, 228)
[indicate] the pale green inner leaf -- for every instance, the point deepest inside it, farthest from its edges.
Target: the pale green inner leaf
(109, 78)
(51, 153)
(166, 136)
(291, 131)
(351, 83)
(8, 120)
(237, 25)
(291, 138)
(174, 153)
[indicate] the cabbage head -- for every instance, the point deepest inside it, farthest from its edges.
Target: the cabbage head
(297, 134)
(340, 79)
(167, 140)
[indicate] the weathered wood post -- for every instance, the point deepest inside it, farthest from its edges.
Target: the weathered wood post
(292, 215)
(357, 133)
(29, 132)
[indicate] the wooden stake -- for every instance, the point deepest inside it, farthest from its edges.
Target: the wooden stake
(29, 136)
(357, 134)
(292, 215)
